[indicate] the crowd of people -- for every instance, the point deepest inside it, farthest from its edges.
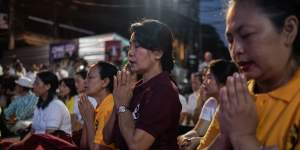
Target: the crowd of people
(251, 102)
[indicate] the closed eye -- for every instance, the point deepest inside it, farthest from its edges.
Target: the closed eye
(245, 36)
(229, 38)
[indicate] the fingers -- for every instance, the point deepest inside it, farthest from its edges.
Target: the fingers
(231, 100)
(232, 93)
(128, 77)
(248, 98)
(115, 83)
(223, 99)
(80, 107)
(84, 104)
(183, 143)
(119, 76)
(239, 88)
(123, 77)
(226, 106)
(84, 98)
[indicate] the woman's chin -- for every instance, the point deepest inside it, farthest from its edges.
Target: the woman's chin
(250, 75)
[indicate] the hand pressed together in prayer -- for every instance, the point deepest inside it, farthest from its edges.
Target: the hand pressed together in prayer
(86, 109)
(238, 116)
(123, 88)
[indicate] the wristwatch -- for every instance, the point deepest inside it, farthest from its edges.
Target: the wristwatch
(122, 109)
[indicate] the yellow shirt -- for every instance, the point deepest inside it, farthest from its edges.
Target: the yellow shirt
(279, 116)
(70, 104)
(210, 134)
(103, 111)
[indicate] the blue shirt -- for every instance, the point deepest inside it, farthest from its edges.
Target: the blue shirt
(22, 107)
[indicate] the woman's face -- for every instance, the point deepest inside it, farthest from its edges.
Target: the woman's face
(79, 83)
(210, 84)
(195, 82)
(254, 43)
(39, 87)
(64, 90)
(140, 59)
(93, 82)
(18, 89)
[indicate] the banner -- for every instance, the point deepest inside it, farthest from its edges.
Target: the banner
(113, 51)
(61, 50)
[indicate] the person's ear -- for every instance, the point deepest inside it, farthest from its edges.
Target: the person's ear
(105, 82)
(290, 30)
(48, 86)
(158, 54)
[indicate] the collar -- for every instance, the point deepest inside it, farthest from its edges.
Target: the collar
(107, 100)
(163, 76)
(285, 93)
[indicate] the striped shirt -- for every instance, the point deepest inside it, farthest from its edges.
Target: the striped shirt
(22, 107)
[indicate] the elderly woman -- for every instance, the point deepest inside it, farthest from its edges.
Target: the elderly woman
(146, 117)
(263, 38)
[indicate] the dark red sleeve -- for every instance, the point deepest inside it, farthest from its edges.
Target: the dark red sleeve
(160, 111)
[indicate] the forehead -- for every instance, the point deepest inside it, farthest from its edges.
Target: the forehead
(63, 83)
(195, 76)
(243, 13)
(93, 70)
(132, 37)
(38, 80)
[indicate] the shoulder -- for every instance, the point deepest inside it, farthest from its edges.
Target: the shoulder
(165, 87)
(182, 98)
(56, 103)
(210, 102)
(92, 101)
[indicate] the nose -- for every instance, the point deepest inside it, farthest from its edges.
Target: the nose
(236, 48)
(130, 52)
(85, 83)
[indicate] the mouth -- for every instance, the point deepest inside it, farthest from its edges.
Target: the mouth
(245, 65)
(86, 88)
(130, 64)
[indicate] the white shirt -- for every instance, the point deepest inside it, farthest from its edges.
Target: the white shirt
(183, 102)
(192, 103)
(209, 109)
(202, 65)
(55, 116)
(76, 109)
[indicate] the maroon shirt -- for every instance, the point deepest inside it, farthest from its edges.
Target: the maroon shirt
(156, 108)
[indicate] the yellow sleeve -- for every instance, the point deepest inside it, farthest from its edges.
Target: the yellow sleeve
(101, 119)
(210, 135)
(70, 104)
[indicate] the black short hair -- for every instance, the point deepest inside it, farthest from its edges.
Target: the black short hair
(154, 35)
(70, 83)
(221, 69)
(107, 70)
(82, 73)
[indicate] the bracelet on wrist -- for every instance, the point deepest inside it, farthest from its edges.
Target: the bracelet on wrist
(122, 109)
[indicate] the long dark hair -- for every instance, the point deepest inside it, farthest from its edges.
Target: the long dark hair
(154, 35)
(70, 83)
(49, 78)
